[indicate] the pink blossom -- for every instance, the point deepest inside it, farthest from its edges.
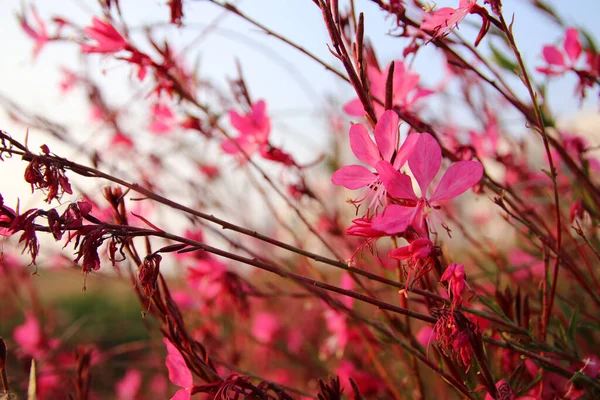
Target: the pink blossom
(179, 373)
(425, 336)
(384, 149)
(526, 265)
(254, 128)
(265, 326)
(406, 90)
(129, 386)
(40, 35)
(367, 383)
(32, 340)
(505, 392)
(424, 161)
(557, 63)
(108, 39)
(455, 276)
(447, 18)
(163, 119)
(417, 256)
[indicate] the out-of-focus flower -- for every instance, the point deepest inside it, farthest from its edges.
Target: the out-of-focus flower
(40, 35)
(444, 20)
(108, 39)
(405, 93)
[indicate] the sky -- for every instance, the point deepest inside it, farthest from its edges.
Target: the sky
(295, 87)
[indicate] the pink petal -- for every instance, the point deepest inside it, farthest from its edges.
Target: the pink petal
(265, 327)
(362, 145)
(458, 178)
(182, 394)
(553, 56)
(386, 134)
(238, 122)
(425, 161)
(179, 373)
(354, 108)
(572, 45)
(448, 273)
(401, 253)
(437, 19)
(405, 150)
(129, 386)
(377, 81)
(352, 177)
(394, 219)
(397, 184)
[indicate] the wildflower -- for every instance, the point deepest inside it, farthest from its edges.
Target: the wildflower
(447, 18)
(163, 119)
(32, 340)
(453, 332)
(108, 39)
(254, 128)
(418, 258)
(48, 176)
(129, 386)
(424, 161)
(383, 150)
(405, 92)
(148, 273)
(555, 57)
(40, 35)
(265, 326)
(455, 276)
(179, 373)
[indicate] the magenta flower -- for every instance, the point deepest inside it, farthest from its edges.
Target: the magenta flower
(505, 392)
(406, 90)
(447, 18)
(265, 327)
(424, 161)
(254, 128)
(179, 373)
(383, 150)
(108, 39)
(129, 386)
(455, 276)
(555, 57)
(417, 258)
(31, 339)
(40, 35)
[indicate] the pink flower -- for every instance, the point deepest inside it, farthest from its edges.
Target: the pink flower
(505, 392)
(555, 57)
(526, 265)
(31, 339)
(40, 35)
(108, 39)
(129, 386)
(179, 373)
(406, 90)
(417, 256)
(265, 326)
(424, 161)
(163, 119)
(425, 336)
(455, 276)
(384, 149)
(254, 128)
(447, 18)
